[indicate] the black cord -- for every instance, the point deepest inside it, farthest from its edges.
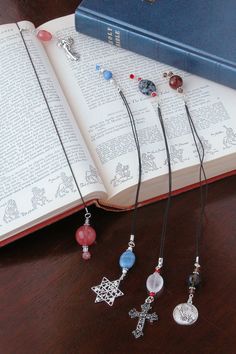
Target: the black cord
(136, 139)
(203, 198)
(51, 115)
(167, 208)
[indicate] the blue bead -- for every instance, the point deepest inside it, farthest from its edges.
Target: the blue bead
(98, 67)
(127, 259)
(107, 75)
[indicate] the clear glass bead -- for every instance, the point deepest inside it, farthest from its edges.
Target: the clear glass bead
(154, 283)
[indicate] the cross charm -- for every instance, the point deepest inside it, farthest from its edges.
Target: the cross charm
(143, 316)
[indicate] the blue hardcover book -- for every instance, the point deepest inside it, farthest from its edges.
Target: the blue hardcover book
(197, 36)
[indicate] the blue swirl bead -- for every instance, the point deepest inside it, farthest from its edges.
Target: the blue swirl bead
(98, 67)
(127, 259)
(107, 74)
(146, 87)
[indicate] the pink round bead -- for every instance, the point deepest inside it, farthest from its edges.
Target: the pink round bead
(86, 255)
(44, 36)
(85, 235)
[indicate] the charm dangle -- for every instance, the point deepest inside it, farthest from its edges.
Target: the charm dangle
(175, 81)
(66, 44)
(107, 290)
(143, 316)
(146, 87)
(107, 76)
(187, 313)
(154, 286)
(86, 236)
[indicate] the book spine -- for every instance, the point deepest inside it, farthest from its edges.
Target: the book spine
(140, 43)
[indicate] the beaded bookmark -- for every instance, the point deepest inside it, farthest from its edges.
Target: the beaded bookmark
(107, 290)
(155, 281)
(85, 234)
(186, 313)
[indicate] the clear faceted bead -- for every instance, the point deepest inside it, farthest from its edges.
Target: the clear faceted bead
(154, 283)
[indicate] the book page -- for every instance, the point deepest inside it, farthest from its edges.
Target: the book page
(106, 127)
(35, 179)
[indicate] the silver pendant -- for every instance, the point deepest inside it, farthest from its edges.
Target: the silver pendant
(143, 316)
(185, 314)
(66, 44)
(107, 291)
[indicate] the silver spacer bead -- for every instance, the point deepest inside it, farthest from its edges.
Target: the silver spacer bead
(149, 299)
(131, 237)
(131, 245)
(125, 270)
(160, 263)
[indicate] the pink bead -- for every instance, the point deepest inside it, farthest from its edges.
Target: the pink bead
(85, 235)
(86, 255)
(44, 36)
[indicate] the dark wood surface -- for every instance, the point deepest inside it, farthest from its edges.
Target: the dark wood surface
(46, 305)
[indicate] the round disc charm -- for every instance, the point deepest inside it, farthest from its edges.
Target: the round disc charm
(185, 314)
(146, 87)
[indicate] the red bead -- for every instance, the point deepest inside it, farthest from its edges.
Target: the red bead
(139, 79)
(86, 255)
(154, 94)
(85, 235)
(44, 36)
(131, 76)
(152, 294)
(158, 270)
(175, 82)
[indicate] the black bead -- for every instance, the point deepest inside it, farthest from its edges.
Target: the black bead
(146, 87)
(194, 280)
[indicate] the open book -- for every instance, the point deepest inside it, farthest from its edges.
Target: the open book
(36, 182)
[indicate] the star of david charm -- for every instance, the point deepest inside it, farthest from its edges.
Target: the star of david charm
(107, 291)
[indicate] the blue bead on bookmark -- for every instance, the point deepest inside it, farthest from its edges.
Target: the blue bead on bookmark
(107, 291)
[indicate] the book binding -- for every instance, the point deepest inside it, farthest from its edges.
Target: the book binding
(107, 207)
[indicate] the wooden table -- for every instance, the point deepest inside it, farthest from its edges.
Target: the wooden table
(46, 303)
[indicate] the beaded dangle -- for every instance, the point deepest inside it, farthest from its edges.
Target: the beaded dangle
(187, 313)
(85, 235)
(65, 44)
(107, 290)
(155, 281)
